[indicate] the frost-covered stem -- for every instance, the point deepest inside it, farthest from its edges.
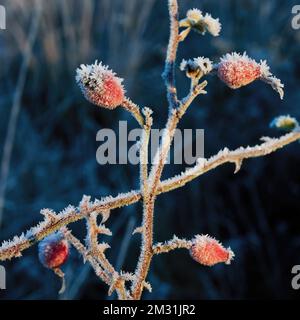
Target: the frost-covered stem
(146, 249)
(134, 110)
(168, 136)
(15, 247)
(88, 256)
(95, 249)
(194, 92)
(148, 210)
(169, 71)
(225, 156)
(144, 152)
(170, 245)
(148, 207)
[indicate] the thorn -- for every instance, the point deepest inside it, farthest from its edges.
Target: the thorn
(103, 246)
(238, 164)
(105, 215)
(148, 286)
(84, 204)
(138, 230)
(265, 139)
(49, 214)
(103, 230)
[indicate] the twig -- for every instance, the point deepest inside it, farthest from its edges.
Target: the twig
(87, 256)
(169, 72)
(134, 110)
(14, 248)
(172, 244)
(148, 206)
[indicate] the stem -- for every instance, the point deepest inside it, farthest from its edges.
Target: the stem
(134, 110)
(144, 152)
(149, 200)
(169, 72)
(172, 244)
(146, 251)
(14, 248)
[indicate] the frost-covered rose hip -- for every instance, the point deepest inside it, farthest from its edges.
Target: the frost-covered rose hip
(208, 251)
(100, 85)
(237, 70)
(53, 251)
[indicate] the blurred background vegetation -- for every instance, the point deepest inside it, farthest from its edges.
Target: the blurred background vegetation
(51, 132)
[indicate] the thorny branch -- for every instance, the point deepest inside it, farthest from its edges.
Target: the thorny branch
(94, 252)
(15, 247)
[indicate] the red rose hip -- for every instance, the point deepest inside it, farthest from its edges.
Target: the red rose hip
(208, 251)
(53, 251)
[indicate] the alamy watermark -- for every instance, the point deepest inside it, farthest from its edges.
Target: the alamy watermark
(296, 18)
(296, 279)
(2, 18)
(2, 278)
(187, 147)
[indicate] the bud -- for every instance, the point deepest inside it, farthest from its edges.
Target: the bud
(197, 67)
(53, 251)
(208, 251)
(286, 123)
(237, 71)
(200, 23)
(100, 85)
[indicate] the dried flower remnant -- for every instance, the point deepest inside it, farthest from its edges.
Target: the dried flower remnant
(100, 85)
(286, 123)
(200, 23)
(238, 70)
(208, 251)
(197, 67)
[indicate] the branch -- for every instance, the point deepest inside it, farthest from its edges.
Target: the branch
(53, 222)
(96, 249)
(86, 256)
(148, 207)
(162, 153)
(144, 151)
(169, 72)
(172, 244)
(14, 248)
(134, 110)
(226, 156)
(113, 281)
